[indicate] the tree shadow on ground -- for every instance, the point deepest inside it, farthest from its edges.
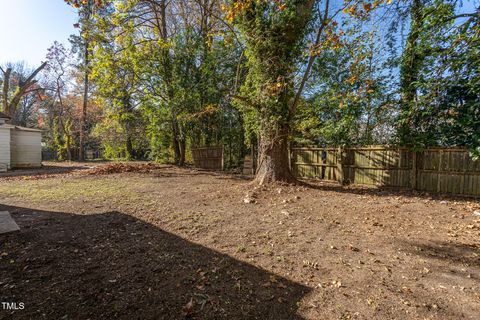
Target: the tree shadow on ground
(332, 186)
(329, 186)
(185, 172)
(114, 266)
(453, 253)
(382, 191)
(448, 269)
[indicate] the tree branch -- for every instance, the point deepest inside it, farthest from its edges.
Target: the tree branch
(311, 60)
(21, 92)
(243, 99)
(6, 87)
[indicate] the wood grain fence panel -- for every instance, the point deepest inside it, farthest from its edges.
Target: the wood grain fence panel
(378, 166)
(433, 170)
(209, 158)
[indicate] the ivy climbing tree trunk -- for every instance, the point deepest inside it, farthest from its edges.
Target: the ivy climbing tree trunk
(273, 162)
(274, 36)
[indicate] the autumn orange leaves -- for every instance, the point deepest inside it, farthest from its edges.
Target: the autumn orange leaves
(238, 7)
(361, 9)
(79, 3)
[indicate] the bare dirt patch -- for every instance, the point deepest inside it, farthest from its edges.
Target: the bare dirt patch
(173, 243)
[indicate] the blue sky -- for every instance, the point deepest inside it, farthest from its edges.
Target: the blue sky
(29, 27)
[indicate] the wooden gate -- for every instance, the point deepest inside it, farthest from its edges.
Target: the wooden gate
(209, 158)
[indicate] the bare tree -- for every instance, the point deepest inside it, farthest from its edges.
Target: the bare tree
(15, 87)
(56, 81)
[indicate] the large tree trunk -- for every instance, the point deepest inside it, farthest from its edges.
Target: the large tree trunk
(176, 151)
(176, 140)
(273, 158)
(129, 146)
(273, 41)
(159, 10)
(182, 145)
(129, 142)
(68, 138)
(69, 149)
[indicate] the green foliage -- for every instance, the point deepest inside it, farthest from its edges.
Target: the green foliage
(350, 104)
(176, 82)
(112, 135)
(62, 141)
(119, 141)
(440, 78)
(158, 133)
(274, 39)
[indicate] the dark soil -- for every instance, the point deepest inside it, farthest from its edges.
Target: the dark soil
(169, 243)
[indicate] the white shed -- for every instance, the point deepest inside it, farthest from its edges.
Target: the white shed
(19, 147)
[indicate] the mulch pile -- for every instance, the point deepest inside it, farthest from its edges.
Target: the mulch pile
(106, 169)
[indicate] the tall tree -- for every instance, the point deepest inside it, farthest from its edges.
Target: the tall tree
(115, 72)
(149, 26)
(274, 34)
(56, 83)
(83, 44)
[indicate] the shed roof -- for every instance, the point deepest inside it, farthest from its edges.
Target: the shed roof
(11, 126)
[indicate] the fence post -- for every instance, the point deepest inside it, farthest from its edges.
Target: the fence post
(414, 171)
(440, 158)
(223, 160)
(290, 156)
(340, 166)
(254, 155)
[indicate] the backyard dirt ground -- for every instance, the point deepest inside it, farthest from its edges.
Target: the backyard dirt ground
(162, 242)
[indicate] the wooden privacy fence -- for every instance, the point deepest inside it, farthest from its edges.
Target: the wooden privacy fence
(210, 158)
(433, 170)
